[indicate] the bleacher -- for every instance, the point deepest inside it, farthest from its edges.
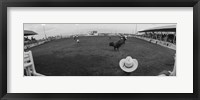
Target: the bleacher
(164, 36)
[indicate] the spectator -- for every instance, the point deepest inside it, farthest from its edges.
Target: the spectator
(169, 73)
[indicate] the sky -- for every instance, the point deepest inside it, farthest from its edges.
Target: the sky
(70, 29)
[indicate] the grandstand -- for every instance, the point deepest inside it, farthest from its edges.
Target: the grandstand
(164, 36)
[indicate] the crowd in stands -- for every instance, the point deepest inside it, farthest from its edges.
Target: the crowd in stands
(29, 43)
(163, 37)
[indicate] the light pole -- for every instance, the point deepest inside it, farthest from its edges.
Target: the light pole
(44, 30)
(136, 29)
(77, 28)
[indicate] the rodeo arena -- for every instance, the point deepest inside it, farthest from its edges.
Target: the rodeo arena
(147, 52)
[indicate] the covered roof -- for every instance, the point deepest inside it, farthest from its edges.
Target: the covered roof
(28, 32)
(171, 28)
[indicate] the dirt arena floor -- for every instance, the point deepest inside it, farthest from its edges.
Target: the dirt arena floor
(94, 57)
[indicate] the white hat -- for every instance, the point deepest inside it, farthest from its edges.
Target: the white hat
(125, 36)
(128, 64)
(77, 40)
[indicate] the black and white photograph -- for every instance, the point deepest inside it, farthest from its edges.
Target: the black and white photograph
(99, 49)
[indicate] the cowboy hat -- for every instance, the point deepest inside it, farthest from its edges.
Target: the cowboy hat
(128, 64)
(77, 41)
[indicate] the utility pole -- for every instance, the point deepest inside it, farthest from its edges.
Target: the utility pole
(136, 29)
(44, 30)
